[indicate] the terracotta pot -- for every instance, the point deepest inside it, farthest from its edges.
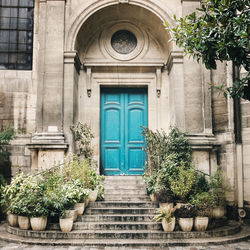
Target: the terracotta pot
(86, 201)
(12, 219)
(218, 212)
(201, 223)
(168, 227)
(23, 222)
(186, 224)
(71, 213)
(153, 198)
(167, 205)
(38, 223)
(79, 207)
(93, 195)
(66, 224)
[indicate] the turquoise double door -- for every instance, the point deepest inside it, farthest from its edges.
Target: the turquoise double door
(123, 113)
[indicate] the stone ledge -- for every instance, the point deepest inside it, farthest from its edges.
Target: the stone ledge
(230, 229)
(242, 235)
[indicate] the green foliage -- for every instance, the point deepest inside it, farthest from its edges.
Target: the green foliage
(5, 137)
(185, 211)
(164, 213)
(181, 183)
(219, 31)
(9, 192)
(219, 187)
(203, 203)
(29, 199)
(201, 184)
(82, 135)
(156, 148)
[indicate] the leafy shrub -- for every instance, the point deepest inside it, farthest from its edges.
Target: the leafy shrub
(185, 211)
(182, 182)
(82, 135)
(219, 187)
(203, 203)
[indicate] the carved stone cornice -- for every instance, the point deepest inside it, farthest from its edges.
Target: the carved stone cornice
(175, 57)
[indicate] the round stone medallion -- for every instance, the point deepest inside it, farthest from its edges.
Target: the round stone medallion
(123, 42)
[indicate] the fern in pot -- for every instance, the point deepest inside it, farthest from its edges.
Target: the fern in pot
(167, 218)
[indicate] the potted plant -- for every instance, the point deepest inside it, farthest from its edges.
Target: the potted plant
(166, 216)
(181, 182)
(204, 204)
(8, 193)
(218, 189)
(186, 215)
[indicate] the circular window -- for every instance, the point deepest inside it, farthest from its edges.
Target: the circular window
(123, 42)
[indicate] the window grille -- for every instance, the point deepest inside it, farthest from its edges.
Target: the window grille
(16, 34)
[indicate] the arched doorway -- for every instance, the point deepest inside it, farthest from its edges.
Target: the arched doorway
(124, 50)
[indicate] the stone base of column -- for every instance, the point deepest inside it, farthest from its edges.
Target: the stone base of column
(48, 150)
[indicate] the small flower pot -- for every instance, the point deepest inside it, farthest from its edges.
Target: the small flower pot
(93, 195)
(23, 222)
(168, 227)
(66, 224)
(153, 198)
(218, 212)
(179, 204)
(12, 219)
(71, 213)
(201, 223)
(186, 224)
(79, 207)
(167, 205)
(38, 223)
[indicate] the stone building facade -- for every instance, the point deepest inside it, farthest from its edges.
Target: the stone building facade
(77, 53)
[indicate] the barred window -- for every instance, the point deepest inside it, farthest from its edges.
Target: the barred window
(16, 34)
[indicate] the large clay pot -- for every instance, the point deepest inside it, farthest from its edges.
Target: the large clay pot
(168, 227)
(186, 224)
(79, 207)
(38, 223)
(71, 213)
(23, 222)
(218, 212)
(66, 224)
(153, 198)
(201, 223)
(93, 195)
(167, 205)
(12, 219)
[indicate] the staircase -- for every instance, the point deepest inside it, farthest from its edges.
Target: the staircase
(124, 219)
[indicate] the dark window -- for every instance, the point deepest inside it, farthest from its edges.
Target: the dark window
(16, 34)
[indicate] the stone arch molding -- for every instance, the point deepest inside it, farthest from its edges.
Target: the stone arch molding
(151, 5)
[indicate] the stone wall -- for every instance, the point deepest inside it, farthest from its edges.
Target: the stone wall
(18, 108)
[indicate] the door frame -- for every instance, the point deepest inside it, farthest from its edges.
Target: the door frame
(122, 90)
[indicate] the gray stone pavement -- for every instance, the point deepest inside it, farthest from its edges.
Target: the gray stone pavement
(244, 245)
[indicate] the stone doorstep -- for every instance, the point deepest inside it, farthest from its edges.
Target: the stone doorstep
(111, 226)
(244, 234)
(120, 210)
(232, 228)
(131, 204)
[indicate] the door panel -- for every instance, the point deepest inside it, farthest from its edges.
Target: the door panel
(123, 113)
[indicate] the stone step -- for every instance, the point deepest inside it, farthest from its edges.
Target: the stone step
(116, 218)
(120, 210)
(125, 234)
(126, 192)
(124, 204)
(127, 198)
(111, 226)
(126, 186)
